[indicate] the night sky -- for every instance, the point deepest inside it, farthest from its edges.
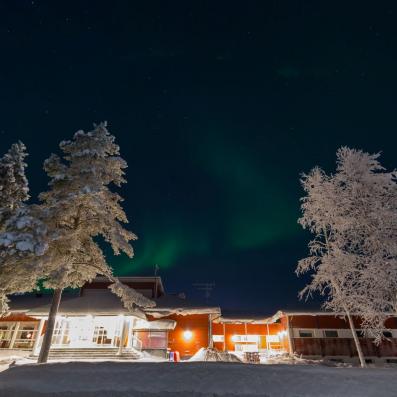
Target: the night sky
(218, 106)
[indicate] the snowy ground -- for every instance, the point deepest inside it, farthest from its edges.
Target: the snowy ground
(24, 358)
(195, 379)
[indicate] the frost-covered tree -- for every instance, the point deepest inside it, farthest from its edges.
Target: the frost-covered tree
(78, 208)
(22, 234)
(353, 216)
(22, 243)
(14, 189)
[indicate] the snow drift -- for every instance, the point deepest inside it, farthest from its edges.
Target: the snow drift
(206, 354)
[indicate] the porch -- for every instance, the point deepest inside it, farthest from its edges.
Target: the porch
(87, 335)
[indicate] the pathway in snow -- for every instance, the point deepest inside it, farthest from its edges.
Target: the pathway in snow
(194, 380)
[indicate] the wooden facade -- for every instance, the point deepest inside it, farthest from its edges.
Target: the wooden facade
(319, 335)
(175, 325)
(234, 333)
(190, 334)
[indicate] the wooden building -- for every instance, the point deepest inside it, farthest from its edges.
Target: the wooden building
(92, 322)
(325, 335)
(248, 333)
(307, 334)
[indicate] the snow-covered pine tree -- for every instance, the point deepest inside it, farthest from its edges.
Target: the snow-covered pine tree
(22, 234)
(353, 254)
(78, 207)
(14, 189)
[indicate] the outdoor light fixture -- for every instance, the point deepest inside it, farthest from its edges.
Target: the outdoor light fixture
(282, 334)
(187, 335)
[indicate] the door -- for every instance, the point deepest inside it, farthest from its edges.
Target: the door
(106, 331)
(81, 330)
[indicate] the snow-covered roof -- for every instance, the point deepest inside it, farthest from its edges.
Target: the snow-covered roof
(282, 313)
(174, 304)
(104, 302)
(156, 325)
(24, 303)
(96, 302)
(156, 280)
(242, 317)
(238, 317)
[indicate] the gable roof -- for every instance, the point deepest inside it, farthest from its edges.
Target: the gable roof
(173, 304)
(101, 301)
(242, 317)
(139, 283)
(96, 302)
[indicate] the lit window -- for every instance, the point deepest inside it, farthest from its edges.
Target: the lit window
(305, 334)
(330, 333)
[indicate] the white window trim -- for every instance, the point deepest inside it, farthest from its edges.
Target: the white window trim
(311, 330)
(343, 333)
(332, 330)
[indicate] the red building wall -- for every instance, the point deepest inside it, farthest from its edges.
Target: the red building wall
(230, 329)
(198, 324)
(340, 346)
(18, 317)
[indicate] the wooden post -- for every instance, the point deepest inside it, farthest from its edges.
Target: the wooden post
(131, 333)
(14, 335)
(224, 337)
(124, 331)
(63, 329)
(38, 336)
(210, 341)
(267, 339)
(290, 346)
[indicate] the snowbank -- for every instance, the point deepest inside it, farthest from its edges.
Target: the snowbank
(17, 360)
(10, 356)
(207, 354)
(286, 358)
(6, 354)
(194, 380)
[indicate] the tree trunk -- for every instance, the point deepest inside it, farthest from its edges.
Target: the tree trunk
(356, 341)
(45, 347)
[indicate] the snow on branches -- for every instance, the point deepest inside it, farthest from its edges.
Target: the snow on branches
(14, 190)
(56, 241)
(80, 207)
(129, 296)
(353, 255)
(22, 233)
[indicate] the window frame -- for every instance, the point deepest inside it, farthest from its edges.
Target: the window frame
(330, 330)
(149, 335)
(307, 331)
(22, 341)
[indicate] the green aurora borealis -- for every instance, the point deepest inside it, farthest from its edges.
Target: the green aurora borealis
(218, 107)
